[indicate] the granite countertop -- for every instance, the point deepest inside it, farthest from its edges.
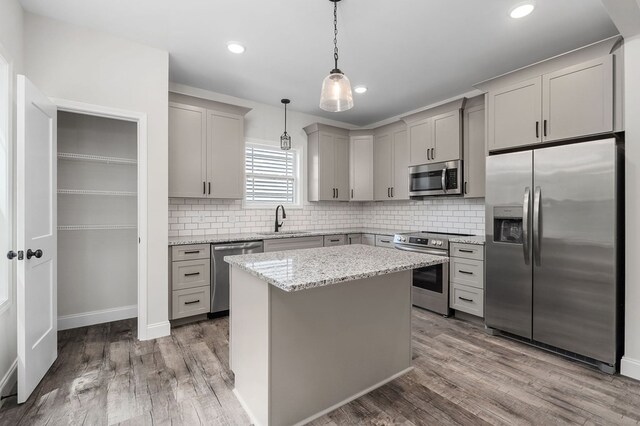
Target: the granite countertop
(256, 236)
(317, 267)
(474, 239)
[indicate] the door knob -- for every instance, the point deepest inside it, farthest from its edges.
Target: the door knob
(12, 255)
(37, 254)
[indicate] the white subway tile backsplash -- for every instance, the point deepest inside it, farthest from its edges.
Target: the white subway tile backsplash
(212, 217)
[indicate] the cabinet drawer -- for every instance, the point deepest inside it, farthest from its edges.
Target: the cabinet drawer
(369, 239)
(354, 239)
(384, 241)
(467, 251)
(190, 252)
(467, 299)
(467, 271)
(190, 273)
(334, 240)
(190, 301)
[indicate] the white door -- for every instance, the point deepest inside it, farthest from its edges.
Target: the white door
(36, 236)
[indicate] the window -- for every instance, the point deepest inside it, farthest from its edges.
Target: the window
(271, 175)
(5, 182)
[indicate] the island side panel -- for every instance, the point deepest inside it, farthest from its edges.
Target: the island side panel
(249, 343)
(332, 343)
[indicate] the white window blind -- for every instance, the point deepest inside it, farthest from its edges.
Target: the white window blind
(270, 174)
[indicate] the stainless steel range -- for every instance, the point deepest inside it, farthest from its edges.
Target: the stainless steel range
(430, 284)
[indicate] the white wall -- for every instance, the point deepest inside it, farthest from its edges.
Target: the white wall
(73, 63)
(11, 47)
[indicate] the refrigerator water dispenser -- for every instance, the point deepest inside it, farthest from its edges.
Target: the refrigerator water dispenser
(507, 224)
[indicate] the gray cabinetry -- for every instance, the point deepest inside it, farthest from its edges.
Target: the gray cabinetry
(206, 150)
(190, 280)
(293, 243)
(354, 239)
(447, 137)
(466, 278)
(328, 163)
(368, 239)
(384, 241)
(335, 240)
(391, 163)
(474, 148)
(361, 166)
(571, 102)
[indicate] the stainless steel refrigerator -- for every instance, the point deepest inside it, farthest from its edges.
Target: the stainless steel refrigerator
(554, 248)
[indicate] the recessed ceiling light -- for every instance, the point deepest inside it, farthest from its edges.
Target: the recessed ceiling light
(521, 10)
(360, 89)
(235, 47)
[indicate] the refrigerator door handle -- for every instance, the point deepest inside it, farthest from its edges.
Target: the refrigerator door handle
(536, 225)
(525, 224)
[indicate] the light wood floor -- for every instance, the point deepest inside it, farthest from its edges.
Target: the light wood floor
(103, 375)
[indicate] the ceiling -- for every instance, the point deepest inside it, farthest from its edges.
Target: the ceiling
(410, 53)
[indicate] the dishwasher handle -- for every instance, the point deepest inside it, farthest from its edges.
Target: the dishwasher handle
(237, 246)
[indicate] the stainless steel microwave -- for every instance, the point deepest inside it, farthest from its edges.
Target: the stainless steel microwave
(436, 179)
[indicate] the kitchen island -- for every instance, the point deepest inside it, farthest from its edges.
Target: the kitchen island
(313, 329)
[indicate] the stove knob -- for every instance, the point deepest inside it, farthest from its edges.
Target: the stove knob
(439, 243)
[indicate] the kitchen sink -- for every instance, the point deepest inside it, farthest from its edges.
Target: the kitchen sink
(284, 233)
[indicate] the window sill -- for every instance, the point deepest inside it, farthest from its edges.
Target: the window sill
(269, 206)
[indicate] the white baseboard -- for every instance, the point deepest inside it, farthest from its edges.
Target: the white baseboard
(630, 367)
(9, 379)
(158, 329)
(97, 317)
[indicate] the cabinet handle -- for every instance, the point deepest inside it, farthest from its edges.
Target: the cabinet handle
(192, 302)
(192, 252)
(433, 153)
(192, 274)
(352, 193)
(537, 129)
(544, 132)
(465, 188)
(388, 192)
(204, 188)
(209, 188)
(385, 241)
(334, 241)
(392, 192)
(465, 251)
(337, 192)
(465, 272)
(428, 156)
(465, 299)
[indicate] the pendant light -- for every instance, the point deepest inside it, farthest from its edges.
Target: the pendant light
(336, 93)
(285, 139)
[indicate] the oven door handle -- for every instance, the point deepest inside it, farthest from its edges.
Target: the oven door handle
(423, 251)
(443, 180)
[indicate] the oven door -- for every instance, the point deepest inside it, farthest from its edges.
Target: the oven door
(430, 284)
(435, 179)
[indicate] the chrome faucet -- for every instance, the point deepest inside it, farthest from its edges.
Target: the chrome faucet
(284, 216)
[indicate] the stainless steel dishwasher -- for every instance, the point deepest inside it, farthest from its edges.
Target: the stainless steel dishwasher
(220, 272)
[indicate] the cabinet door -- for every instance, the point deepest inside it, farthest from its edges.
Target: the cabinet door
(446, 138)
(326, 166)
(578, 100)
(382, 156)
(187, 151)
(361, 169)
(342, 168)
(514, 115)
(474, 152)
(225, 147)
(420, 140)
(400, 169)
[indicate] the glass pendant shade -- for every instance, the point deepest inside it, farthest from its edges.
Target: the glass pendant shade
(336, 93)
(285, 142)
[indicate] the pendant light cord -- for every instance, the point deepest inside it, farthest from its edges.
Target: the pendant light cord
(335, 33)
(285, 119)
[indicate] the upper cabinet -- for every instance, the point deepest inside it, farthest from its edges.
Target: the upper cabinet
(327, 163)
(474, 148)
(391, 163)
(435, 135)
(206, 149)
(572, 102)
(361, 166)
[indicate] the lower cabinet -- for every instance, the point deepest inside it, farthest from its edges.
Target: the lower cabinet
(354, 239)
(335, 240)
(368, 239)
(384, 241)
(190, 280)
(466, 278)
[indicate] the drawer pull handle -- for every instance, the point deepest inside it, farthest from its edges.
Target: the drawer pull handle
(198, 273)
(465, 251)
(192, 302)
(465, 299)
(334, 241)
(192, 252)
(385, 241)
(465, 272)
